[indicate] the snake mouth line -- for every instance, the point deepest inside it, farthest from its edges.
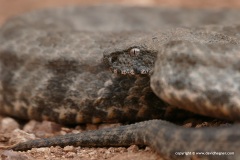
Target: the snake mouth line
(132, 72)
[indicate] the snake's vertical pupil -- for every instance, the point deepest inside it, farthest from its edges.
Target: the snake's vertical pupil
(134, 51)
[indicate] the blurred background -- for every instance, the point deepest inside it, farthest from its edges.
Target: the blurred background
(10, 8)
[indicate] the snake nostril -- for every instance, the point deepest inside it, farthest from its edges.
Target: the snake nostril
(113, 59)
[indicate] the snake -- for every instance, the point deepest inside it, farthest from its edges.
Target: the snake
(107, 64)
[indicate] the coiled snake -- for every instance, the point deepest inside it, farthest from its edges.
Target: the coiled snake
(54, 66)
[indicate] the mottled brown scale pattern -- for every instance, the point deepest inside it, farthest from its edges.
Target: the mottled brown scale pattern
(54, 65)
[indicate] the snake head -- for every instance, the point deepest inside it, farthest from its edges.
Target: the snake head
(131, 61)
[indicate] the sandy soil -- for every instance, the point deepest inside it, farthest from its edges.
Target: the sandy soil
(12, 131)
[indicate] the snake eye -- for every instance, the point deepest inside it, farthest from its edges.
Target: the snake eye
(134, 52)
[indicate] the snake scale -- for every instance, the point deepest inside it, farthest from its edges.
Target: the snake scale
(55, 63)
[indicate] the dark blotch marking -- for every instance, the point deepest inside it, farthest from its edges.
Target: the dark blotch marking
(9, 64)
(233, 138)
(180, 81)
(217, 98)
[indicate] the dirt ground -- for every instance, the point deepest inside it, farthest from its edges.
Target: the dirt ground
(12, 130)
